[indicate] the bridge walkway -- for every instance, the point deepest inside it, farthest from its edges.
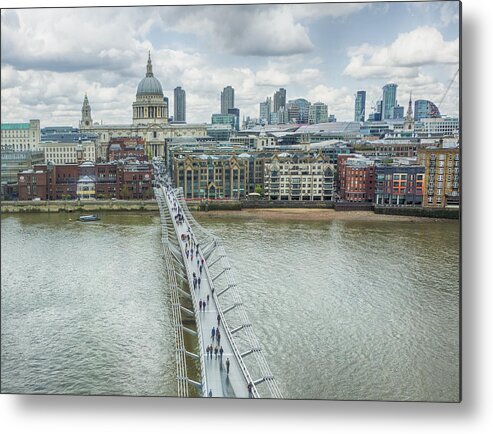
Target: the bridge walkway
(218, 382)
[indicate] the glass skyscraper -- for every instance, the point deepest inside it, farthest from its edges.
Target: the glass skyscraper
(227, 99)
(389, 100)
(279, 99)
(425, 109)
(359, 106)
(180, 105)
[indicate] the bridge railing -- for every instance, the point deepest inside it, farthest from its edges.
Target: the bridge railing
(180, 358)
(204, 385)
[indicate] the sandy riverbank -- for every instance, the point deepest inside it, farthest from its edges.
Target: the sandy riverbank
(309, 214)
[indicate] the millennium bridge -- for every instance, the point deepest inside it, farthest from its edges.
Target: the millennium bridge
(203, 307)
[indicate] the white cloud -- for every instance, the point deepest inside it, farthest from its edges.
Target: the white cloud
(403, 57)
(260, 30)
(73, 39)
(47, 68)
(420, 61)
(340, 101)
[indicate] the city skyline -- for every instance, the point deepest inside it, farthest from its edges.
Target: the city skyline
(48, 77)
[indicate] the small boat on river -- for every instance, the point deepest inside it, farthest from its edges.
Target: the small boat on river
(88, 218)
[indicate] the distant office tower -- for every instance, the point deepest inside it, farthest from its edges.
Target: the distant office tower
(280, 99)
(377, 114)
(298, 110)
(398, 112)
(227, 99)
(180, 105)
(318, 113)
(293, 113)
(332, 118)
(425, 109)
(236, 113)
(379, 107)
(166, 107)
(389, 100)
(265, 109)
(282, 116)
(359, 106)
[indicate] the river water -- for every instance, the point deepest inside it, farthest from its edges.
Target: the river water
(344, 310)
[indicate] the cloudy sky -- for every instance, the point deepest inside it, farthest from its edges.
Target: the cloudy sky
(322, 52)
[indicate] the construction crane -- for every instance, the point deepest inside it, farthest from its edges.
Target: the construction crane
(448, 88)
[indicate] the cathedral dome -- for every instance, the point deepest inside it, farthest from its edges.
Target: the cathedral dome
(149, 85)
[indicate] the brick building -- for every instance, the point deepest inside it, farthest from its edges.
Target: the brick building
(120, 148)
(131, 180)
(356, 178)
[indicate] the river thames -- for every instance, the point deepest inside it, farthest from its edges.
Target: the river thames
(349, 310)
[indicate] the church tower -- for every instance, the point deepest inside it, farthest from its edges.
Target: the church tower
(86, 121)
(409, 119)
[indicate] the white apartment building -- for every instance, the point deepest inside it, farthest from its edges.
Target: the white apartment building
(287, 178)
(67, 153)
(21, 136)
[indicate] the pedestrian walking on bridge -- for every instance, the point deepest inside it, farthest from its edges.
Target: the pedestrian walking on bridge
(218, 319)
(221, 351)
(215, 351)
(207, 350)
(198, 281)
(227, 365)
(250, 390)
(200, 304)
(213, 333)
(204, 304)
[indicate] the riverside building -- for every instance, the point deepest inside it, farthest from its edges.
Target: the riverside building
(356, 178)
(120, 180)
(399, 184)
(218, 176)
(442, 176)
(294, 178)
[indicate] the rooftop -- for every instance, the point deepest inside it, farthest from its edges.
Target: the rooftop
(15, 126)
